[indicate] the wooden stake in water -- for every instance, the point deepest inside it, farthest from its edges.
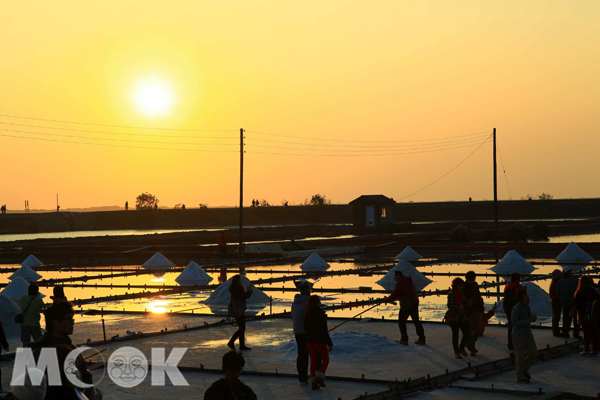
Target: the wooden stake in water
(103, 329)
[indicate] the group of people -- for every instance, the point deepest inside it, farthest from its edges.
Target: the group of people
(3, 209)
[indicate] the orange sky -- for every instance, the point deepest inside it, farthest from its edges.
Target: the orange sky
(344, 71)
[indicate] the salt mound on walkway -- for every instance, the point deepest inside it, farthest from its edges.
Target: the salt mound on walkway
(31, 262)
(16, 288)
(574, 254)
(513, 262)
(8, 309)
(407, 269)
(408, 254)
(314, 263)
(158, 261)
(26, 273)
(540, 299)
(347, 343)
(222, 296)
(192, 275)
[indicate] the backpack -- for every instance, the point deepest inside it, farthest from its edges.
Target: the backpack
(510, 299)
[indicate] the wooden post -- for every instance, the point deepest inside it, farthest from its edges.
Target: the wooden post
(495, 186)
(241, 241)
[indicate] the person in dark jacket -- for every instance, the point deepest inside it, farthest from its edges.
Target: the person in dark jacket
(565, 290)
(585, 296)
(318, 341)
(230, 387)
(511, 290)
(523, 337)
(474, 308)
(4, 344)
(298, 308)
(59, 294)
(237, 308)
(458, 317)
(59, 325)
(406, 292)
(556, 304)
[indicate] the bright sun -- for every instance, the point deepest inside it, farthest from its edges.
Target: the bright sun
(153, 97)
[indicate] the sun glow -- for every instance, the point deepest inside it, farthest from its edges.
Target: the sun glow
(153, 97)
(158, 306)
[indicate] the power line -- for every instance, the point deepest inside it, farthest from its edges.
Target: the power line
(115, 140)
(366, 141)
(456, 166)
(118, 126)
(503, 170)
(399, 151)
(387, 146)
(121, 146)
(120, 133)
(363, 155)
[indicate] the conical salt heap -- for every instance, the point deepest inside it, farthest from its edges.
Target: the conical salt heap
(158, 262)
(8, 309)
(573, 257)
(16, 288)
(540, 303)
(221, 295)
(407, 269)
(26, 273)
(513, 262)
(314, 263)
(31, 262)
(408, 254)
(193, 275)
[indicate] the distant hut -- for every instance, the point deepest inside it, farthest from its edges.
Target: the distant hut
(372, 211)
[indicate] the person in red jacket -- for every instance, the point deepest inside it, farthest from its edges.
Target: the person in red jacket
(406, 292)
(511, 290)
(556, 304)
(222, 242)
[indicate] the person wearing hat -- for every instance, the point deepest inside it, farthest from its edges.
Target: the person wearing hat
(556, 304)
(28, 390)
(298, 309)
(31, 308)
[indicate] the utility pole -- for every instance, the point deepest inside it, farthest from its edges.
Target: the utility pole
(241, 245)
(495, 186)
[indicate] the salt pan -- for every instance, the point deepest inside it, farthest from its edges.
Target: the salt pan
(31, 262)
(513, 262)
(314, 263)
(16, 288)
(192, 275)
(407, 269)
(573, 257)
(8, 310)
(408, 254)
(221, 295)
(26, 273)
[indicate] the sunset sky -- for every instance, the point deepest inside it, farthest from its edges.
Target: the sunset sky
(341, 98)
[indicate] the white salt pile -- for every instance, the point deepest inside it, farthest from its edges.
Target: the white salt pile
(314, 263)
(192, 275)
(513, 262)
(574, 257)
(540, 299)
(221, 295)
(349, 343)
(158, 261)
(31, 262)
(26, 273)
(16, 288)
(407, 269)
(408, 254)
(8, 310)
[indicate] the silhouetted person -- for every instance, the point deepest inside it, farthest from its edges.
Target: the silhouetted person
(474, 308)
(510, 300)
(237, 309)
(300, 333)
(126, 205)
(57, 208)
(31, 307)
(183, 206)
(565, 290)
(406, 292)
(523, 337)
(59, 294)
(556, 304)
(222, 242)
(470, 199)
(156, 206)
(230, 387)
